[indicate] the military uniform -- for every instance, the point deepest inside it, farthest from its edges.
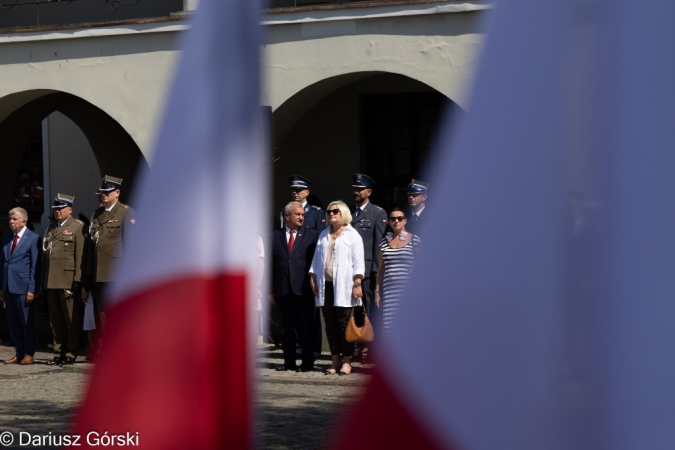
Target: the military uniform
(108, 231)
(64, 268)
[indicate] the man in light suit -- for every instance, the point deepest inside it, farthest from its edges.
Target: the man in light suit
(18, 259)
(292, 251)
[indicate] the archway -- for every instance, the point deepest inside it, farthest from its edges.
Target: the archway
(114, 150)
(378, 123)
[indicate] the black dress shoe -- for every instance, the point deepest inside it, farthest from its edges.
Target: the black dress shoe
(68, 360)
(306, 368)
(283, 368)
(56, 361)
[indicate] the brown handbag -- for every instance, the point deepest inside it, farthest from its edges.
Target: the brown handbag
(359, 335)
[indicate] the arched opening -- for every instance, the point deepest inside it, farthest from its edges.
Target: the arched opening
(377, 123)
(75, 145)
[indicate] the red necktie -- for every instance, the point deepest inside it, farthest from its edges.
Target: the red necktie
(16, 239)
(291, 241)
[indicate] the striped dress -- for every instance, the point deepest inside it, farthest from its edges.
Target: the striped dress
(398, 263)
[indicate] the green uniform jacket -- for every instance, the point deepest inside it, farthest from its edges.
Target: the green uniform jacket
(64, 254)
(108, 232)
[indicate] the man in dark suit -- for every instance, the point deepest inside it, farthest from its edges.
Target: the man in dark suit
(417, 193)
(18, 259)
(370, 221)
(291, 256)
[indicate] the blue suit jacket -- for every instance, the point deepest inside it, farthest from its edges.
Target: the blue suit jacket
(18, 271)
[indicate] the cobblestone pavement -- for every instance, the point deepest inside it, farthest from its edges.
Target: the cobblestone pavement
(296, 410)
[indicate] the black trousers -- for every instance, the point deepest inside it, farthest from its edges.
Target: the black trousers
(336, 318)
(297, 315)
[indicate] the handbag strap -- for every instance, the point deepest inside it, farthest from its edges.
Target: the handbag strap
(365, 310)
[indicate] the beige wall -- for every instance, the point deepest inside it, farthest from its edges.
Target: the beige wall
(438, 50)
(125, 75)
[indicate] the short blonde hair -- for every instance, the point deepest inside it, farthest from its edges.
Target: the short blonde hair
(21, 212)
(344, 211)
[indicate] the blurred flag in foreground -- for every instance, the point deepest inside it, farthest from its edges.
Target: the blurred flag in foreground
(540, 313)
(176, 360)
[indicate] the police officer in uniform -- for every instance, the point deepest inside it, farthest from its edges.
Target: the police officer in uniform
(63, 247)
(417, 192)
(109, 228)
(315, 217)
(370, 221)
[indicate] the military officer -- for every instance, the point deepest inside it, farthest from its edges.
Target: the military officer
(315, 217)
(370, 221)
(109, 228)
(63, 247)
(417, 192)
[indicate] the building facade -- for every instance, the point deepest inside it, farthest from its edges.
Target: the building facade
(352, 87)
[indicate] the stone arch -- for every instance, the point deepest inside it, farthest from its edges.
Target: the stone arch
(324, 132)
(114, 149)
(300, 101)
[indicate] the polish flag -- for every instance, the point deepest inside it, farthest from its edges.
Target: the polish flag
(176, 364)
(515, 333)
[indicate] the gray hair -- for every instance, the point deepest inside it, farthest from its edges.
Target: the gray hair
(344, 211)
(21, 212)
(287, 209)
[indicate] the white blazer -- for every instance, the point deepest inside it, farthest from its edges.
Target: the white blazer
(347, 262)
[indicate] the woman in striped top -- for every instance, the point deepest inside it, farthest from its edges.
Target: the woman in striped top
(397, 257)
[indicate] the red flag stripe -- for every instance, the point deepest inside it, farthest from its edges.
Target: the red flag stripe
(207, 372)
(384, 422)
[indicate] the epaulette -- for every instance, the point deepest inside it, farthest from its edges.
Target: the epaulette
(378, 207)
(315, 207)
(78, 221)
(124, 206)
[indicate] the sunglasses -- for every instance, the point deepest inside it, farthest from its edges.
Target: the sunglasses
(397, 218)
(333, 211)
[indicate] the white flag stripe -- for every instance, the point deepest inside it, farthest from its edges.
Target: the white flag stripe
(212, 144)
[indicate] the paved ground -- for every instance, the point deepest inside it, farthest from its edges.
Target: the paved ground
(297, 410)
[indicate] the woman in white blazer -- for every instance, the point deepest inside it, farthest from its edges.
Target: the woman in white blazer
(336, 274)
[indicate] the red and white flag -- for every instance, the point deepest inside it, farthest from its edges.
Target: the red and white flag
(177, 357)
(515, 332)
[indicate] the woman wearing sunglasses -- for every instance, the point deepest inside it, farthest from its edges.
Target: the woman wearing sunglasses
(397, 256)
(336, 274)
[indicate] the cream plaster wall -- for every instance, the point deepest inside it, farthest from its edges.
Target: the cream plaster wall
(125, 75)
(125, 71)
(438, 50)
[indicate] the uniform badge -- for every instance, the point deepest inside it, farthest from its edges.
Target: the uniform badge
(323, 221)
(384, 222)
(67, 233)
(133, 221)
(65, 245)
